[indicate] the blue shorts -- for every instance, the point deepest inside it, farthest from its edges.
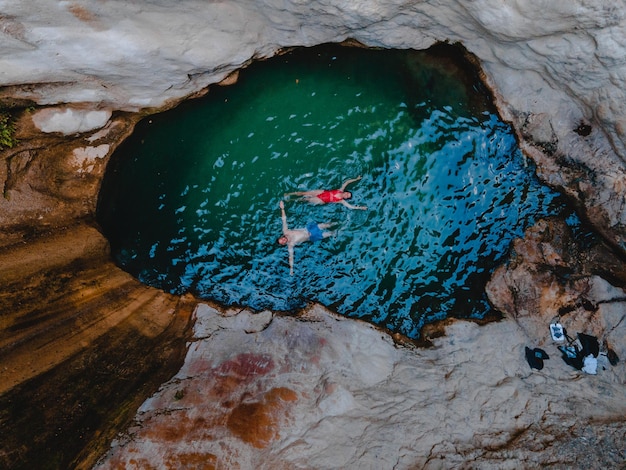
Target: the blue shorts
(315, 233)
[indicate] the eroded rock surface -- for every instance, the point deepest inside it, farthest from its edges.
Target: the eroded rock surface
(52, 180)
(552, 277)
(324, 392)
(81, 342)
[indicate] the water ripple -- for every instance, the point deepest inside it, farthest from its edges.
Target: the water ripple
(190, 201)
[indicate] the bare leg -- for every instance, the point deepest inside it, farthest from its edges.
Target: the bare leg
(316, 201)
(312, 193)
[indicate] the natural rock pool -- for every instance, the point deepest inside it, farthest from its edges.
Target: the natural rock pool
(190, 200)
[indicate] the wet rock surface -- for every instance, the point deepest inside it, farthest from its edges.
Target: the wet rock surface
(81, 345)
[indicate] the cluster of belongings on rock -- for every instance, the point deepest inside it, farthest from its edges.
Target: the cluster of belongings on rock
(580, 353)
(585, 357)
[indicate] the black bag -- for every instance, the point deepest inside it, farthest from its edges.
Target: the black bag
(535, 357)
(589, 344)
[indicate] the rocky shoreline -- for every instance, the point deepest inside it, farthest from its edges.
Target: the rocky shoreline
(256, 390)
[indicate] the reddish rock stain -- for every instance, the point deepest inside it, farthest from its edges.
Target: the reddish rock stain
(166, 429)
(258, 423)
(247, 365)
(224, 387)
(192, 461)
(241, 370)
(135, 464)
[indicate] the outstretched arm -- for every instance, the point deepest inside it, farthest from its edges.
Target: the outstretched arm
(347, 182)
(283, 217)
(350, 206)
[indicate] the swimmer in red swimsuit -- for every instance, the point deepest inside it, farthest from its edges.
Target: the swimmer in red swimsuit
(324, 196)
(292, 237)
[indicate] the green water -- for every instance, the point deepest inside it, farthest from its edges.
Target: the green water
(190, 200)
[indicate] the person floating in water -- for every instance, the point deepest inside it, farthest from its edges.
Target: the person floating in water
(324, 196)
(292, 237)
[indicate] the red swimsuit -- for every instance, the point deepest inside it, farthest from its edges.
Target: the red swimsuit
(333, 195)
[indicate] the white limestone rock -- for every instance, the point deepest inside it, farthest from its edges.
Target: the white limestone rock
(560, 59)
(85, 158)
(68, 121)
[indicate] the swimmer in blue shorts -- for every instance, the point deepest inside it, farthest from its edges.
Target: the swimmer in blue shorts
(291, 237)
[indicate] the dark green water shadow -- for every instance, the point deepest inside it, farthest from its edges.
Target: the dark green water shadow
(190, 200)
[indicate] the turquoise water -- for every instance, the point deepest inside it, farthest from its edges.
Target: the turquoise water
(190, 201)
